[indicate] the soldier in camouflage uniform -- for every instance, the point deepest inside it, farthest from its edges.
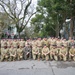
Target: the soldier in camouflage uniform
(52, 52)
(45, 42)
(12, 53)
(63, 53)
(39, 45)
(27, 52)
(45, 53)
(14, 43)
(72, 53)
(22, 43)
(4, 53)
(35, 53)
(52, 42)
(20, 53)
(56, 53)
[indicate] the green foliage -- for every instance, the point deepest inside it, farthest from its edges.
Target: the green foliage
(2, 27)
(51, 16)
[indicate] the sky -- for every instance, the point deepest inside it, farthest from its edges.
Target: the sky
(34, 2)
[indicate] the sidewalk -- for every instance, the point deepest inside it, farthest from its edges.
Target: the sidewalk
(34, 67)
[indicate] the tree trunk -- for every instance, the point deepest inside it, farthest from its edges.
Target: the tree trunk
(0, 43)
(57, 30)
(19, 35)
(57, 27)
(71, 28)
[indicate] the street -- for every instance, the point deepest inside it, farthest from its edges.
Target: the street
(35, 67)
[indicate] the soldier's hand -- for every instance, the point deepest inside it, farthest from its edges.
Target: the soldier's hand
(45, 54)
(27, 53)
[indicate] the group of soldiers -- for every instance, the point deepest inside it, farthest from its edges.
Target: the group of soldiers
(45, 49)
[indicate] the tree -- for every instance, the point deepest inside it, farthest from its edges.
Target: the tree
(56, 10)
(72, 16)
(18, 11)
(2, 27)
(55, 13)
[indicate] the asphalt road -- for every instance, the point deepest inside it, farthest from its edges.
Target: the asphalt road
(35, 67)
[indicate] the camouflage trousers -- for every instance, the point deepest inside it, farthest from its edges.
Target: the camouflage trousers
(63, 57)
(40, 50)
(12, 57)
(46, 57)
(4, 57)
(72, 57)
(19, 56)
(53, 56)
(36, 56)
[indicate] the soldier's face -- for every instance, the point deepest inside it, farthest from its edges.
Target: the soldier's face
(62, 47)
(72, 46)
(45, 46)
(39, 39)
(54, 47)
(45, 38)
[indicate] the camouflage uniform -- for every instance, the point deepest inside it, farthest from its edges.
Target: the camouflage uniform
(35, 53)
(63, 53)
(56, 53)
(52, 43)
(52, 52)
(22, 43)
(12, 52)
(20, 53)
(72, 53)
(45, 42)
(14, 44)
(39, 45)
(45, 53)
(4, 53)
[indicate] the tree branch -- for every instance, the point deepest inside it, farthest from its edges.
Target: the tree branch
(25, 11)
(6, 11)
(52, 28)
(8, 5)
(29, 19)
(21, 8)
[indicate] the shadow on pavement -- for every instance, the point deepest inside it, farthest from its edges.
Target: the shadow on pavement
(63, 64)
